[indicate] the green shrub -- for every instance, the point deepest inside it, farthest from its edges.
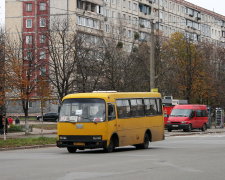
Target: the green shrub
(16, 128)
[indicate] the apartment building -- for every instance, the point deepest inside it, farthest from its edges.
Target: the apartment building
(196, 22)
(121, 19)
(118, 17)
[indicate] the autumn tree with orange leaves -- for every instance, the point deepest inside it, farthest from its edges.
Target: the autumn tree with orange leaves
(19, 74)
(186, 71)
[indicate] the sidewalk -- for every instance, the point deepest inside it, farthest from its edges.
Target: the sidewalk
(52, 133)
(212, 130)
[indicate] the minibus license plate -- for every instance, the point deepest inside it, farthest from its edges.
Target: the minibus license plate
(78, 144)
(175, 125)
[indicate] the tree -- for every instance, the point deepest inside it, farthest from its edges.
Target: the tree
(186, 74)
(2, 74)
(20, 73)
(62, 51)
(90, 63)
(44, 94)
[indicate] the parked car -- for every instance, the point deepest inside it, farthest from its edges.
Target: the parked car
(51, 116)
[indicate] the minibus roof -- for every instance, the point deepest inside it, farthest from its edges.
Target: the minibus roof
(113, 95)
(191, 106)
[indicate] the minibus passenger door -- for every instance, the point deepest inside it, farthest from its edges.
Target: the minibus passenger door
(112, 123)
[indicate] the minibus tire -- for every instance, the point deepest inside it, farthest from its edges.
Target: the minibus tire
(169, 130)
(146, 141)
(110, 148)
(204, 127)
(71, 149)
(189, 128)
(145, 144)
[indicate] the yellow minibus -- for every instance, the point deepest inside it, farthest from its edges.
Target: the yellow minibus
(110, 119)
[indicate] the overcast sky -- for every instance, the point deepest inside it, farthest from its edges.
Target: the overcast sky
(2, 11)
(217, 6)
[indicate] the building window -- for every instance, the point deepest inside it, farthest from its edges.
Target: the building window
(28, 7)
(223, 34)
(88, 22)
(42, 38)
(135, 7)
(29, 23)
(42, 55)
(28, 39)
(42, 6)
(30, 104)
(129, 5)
(144, 9)
(124, 3)
(29, 56)
(42, 22)
(135, 21)
(129, 34)
(107, 28)
(42, 71)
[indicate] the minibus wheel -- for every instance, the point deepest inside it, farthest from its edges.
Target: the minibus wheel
(110, 148)
(189, 128)
(146, 141)
(71, 149)
(204, 127)
(145, 144)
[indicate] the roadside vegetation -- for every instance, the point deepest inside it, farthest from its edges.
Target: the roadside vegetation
(21, 128)
(45, 126)
(30, 141)
(16, 128)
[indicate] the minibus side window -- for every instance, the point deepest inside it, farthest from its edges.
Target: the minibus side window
(140, 107)
(153, 107)
(150, 107)
(159, 105)
(204, 113)
(123, 108)
(192, 114)
(133, 107)
(111, 112)
(199, 113)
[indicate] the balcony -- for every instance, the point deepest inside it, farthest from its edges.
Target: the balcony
(223, 39)
(98, 2)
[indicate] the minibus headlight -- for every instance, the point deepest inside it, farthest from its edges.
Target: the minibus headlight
(168, 122)
(62, 137)
(183, 122)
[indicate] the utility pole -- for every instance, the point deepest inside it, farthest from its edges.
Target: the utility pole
(152, 57)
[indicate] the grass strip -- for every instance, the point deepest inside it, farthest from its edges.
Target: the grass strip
(45, 126)
(9, 143)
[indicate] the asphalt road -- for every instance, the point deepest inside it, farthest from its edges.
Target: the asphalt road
(200, 157)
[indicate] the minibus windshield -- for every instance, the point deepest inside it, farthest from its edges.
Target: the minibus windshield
(181, 113)
(82, 110)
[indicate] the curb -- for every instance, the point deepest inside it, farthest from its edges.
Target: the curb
(27, 147)
(193, 133)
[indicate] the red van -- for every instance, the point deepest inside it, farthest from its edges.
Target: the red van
(188, 117)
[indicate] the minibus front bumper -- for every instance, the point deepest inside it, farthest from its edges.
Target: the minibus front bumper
(81, 142)
(177, 126)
